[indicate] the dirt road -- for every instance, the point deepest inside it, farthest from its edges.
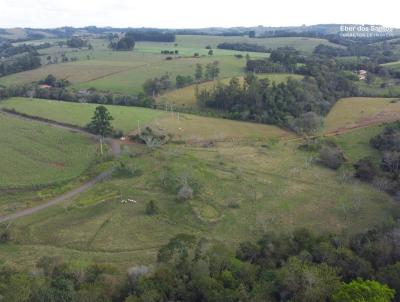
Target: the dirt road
(59, 199)
(115, 147)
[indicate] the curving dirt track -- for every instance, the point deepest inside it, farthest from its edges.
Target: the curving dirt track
(115, 147)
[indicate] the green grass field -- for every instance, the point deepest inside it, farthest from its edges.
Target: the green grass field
(241, 191)
(34, 154)
(182, 126)
(392, 65)
(125, 118)
(360, 112)
(242, 188)
(306, 45)
(125, 72)
(185, 97)
(131, 80)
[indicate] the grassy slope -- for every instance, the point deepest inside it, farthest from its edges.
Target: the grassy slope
(34, 154)
(125, 118)
(393, 65)
(360, 111)
(275, 188)
(185, 126)
(274, 185)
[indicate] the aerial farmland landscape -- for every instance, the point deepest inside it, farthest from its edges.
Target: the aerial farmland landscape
(147, 159)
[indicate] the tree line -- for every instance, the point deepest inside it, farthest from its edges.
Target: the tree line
(59, 90)
(262, 101)
(20, 63)
(299, 266)
(243, 47)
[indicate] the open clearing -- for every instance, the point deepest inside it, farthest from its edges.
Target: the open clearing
(241, 189)
(36, 154)
(359, 112)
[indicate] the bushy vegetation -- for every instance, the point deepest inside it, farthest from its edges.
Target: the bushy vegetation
(26, 62)
(125, 43)
(259, 100)
(283, 59)
(296, 267)
(152, 35)
(76, 42)
(8, 50)
(385, 173)
(59, 90)
(243, 47)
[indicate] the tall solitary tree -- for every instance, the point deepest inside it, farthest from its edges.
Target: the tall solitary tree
(101, 124)
(198, 75)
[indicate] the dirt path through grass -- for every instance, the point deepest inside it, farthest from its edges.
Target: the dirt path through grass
(115, 147)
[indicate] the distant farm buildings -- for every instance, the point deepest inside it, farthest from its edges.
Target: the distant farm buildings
(362, 74)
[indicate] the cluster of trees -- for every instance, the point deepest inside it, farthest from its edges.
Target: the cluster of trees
(169, 52)
(52, 81)
(209, 73)
(76, 42)
(8, 50)
(384, 174)
(20, 63)
(259, 100)
(125, 43)
(182, 81)
(300, 266)
(379, 50)
(152, 35)
(153, 87)
(284, 59)
(243, 47)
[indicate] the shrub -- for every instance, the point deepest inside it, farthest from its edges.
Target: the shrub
(127, 171)
(331, 157)
(307, 123)
(185, 193)
(117, 133)
(151, 208)
(5, 234)
(366, 170)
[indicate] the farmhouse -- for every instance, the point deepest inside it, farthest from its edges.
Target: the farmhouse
(44, 86)
(362, 74)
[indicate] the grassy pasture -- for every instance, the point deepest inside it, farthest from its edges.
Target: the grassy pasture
(36, 154)
(185, 97)
(361, 112)
(187, 127)
(131, 80)
(241, 191)
(125, 118)
(126, 72)
(184, 127)
(393, 65)
(302, 44)
(76, 72)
